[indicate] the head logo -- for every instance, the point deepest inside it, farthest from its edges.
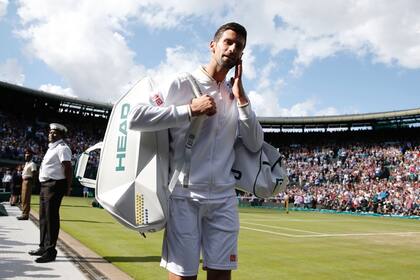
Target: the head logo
(122, 138)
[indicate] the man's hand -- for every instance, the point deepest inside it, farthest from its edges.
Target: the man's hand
(237, 88)
(203, 105)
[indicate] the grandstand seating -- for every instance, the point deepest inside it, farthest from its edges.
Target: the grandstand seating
(374, 170)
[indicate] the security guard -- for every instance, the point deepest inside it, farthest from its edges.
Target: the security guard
(55, 176)
(28, 176)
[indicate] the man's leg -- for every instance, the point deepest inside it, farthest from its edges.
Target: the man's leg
(173, 276)
(181, 243)
(220, 229)
(43, 205)
(56, 192)
(13, 197)
(53, 214)
(218, 274)
(26, 198)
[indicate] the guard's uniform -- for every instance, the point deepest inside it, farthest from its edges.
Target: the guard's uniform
(53, 187)
(203, 217)
(27, 183)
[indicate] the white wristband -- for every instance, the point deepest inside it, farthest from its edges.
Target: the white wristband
(243, 105)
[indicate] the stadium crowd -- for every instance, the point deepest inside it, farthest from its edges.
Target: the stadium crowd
(357, 176)
(18, 134)
(377, 178)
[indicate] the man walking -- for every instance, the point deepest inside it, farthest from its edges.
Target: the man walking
(55, 176)
(28, 177)
(203, 214)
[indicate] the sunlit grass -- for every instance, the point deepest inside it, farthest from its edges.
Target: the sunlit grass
(272, 244)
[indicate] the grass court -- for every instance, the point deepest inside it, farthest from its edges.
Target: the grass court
(272, 244)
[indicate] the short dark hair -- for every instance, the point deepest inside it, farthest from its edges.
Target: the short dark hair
(239, 29)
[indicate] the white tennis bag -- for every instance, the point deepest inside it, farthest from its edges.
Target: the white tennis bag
(81, 166)
(132, 178)
(259, 173)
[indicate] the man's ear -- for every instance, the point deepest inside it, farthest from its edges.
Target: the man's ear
(212, 46)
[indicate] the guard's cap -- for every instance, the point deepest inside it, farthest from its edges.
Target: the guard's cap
(58, 126)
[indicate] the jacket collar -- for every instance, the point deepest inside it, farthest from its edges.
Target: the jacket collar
(54, 144)
(205, 78)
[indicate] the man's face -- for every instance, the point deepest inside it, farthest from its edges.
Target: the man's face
(54, 135)
(28, 156)
(227, 51)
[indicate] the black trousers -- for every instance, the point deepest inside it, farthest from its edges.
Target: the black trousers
(50, 198)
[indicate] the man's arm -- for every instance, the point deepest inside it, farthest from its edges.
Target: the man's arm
(145, 117)
(68, 172)
(34, 170)
(249, 128)
(237, 87)
(169, 112)
(180, 107)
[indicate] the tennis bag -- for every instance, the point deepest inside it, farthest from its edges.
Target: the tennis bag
(132, 178)
(82, 167)
(259, 173)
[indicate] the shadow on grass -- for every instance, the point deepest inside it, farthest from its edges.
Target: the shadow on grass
(132, 259)
(78, 206)
(81, 259)
(85, 221)
(67, 205)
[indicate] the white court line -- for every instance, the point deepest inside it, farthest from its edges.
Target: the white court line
(404, 233)
(267, 231)
(286, 228)
(334, 235)
(282, 219)
(386, 221)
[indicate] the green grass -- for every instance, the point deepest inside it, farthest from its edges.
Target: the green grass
(272, 244)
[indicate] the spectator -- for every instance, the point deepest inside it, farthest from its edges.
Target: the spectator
(7, 180)
(378, 178)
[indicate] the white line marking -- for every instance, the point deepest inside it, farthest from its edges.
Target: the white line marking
(369, 219)
(267, 231)
(286, 228)
(408, 233)
(342, 221)
(283, 219)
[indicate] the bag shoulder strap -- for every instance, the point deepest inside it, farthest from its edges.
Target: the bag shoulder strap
(183, 168)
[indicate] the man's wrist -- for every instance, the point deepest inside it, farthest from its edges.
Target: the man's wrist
(242, 101)
(243, 105)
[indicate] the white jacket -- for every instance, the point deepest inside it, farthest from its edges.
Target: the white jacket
(212, 154)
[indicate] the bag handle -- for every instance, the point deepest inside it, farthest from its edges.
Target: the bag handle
(191, 136)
